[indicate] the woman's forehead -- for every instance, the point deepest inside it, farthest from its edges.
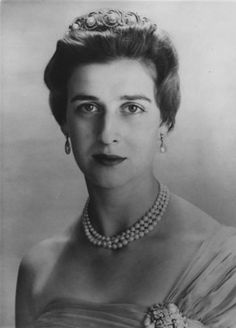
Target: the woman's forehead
(115, 78)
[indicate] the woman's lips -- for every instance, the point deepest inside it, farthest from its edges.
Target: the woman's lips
(108, 160)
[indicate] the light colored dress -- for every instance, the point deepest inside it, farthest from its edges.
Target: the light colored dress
(205, 293)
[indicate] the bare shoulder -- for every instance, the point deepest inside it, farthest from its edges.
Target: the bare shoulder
(40, 257)
(43, 254)
(191, 219)
(34, 265)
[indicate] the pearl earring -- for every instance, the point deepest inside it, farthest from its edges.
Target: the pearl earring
(163, 148)
(67, 146)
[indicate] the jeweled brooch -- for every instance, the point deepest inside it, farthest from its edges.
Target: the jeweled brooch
(164, 316)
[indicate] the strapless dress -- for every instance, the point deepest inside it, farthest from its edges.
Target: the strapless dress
(205, 293)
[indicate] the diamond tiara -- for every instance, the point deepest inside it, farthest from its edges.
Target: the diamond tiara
(107, 19)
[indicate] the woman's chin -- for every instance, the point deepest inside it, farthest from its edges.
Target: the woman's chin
(108, 181)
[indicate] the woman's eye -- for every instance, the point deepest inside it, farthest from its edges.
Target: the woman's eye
(88, 108)
(133, 109)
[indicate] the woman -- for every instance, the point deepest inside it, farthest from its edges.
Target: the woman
(139, 256)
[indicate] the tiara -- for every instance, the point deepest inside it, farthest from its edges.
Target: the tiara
(107, 19)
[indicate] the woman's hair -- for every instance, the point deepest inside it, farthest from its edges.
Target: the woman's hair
(106, 35)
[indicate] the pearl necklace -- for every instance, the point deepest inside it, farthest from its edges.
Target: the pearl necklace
(138, 230)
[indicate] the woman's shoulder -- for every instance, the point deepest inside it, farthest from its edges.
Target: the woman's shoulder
(44, 254)
(34, 268)
(190, 220)
(196, 225)
(207, 287)
(218, 241)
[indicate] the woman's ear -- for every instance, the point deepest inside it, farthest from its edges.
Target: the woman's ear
(164, 129)
(163, 134)
(64, 129)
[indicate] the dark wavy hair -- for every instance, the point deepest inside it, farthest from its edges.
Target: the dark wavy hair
(141, 41)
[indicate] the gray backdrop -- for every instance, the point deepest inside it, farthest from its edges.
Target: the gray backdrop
(43, 191)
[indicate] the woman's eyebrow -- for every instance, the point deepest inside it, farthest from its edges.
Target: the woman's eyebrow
(135, 97)
(83, 97)
(125, 97)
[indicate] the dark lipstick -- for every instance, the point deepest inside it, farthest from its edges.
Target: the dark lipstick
(108, 160)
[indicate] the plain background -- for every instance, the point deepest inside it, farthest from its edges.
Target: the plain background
(42, 189)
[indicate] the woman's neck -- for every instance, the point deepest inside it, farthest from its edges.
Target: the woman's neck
(114, 210)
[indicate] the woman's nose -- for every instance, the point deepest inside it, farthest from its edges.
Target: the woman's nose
(109, 129)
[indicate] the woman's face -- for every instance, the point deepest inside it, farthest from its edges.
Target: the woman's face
(113, 121)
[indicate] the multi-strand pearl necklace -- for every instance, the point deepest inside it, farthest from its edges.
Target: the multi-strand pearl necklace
(138, 230)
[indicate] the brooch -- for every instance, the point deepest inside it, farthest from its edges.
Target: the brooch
(164, 316)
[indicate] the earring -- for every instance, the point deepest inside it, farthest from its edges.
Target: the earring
(67, 146)
(163, 148)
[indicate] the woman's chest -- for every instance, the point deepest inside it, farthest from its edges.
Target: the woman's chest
(141, 276)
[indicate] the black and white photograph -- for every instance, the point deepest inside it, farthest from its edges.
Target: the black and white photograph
(118, 164)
